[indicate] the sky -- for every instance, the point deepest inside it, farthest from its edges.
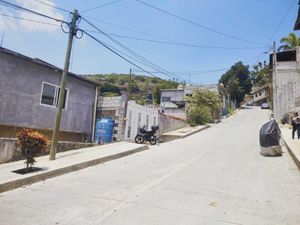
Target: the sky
(234, 30)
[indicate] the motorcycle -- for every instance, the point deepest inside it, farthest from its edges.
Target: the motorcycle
(145, 135)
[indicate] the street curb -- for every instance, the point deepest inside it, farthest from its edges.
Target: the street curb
(167, 138)
(72, 168)
(296, 160)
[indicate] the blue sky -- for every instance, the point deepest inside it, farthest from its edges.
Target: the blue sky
(255, 20)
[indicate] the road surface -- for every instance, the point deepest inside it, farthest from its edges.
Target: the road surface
(214, 177)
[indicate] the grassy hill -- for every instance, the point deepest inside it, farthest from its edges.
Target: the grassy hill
(141, 86)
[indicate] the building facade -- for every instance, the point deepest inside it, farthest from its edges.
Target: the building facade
(29, 90)
(261, 94)
(172, 102)
(286, 82)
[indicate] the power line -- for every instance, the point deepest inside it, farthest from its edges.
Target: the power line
(283, 19)
(257, 58)
(101, 6)
(14, 6)
(197, 24)
(184, 44)
(115, 52)
(127, 28)
(29, 20)
(184, 73)
(52, 6)
(129, 50)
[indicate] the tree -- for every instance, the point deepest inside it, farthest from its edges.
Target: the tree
(202, 106)
(289, 42)
(109, 88)
(237, 81)
(260, 74)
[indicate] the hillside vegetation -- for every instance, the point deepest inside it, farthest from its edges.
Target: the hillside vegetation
(141, 86)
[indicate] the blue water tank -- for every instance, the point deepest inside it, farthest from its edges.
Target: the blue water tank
(104, 130)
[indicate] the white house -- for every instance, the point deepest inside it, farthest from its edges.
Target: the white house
(261, 94)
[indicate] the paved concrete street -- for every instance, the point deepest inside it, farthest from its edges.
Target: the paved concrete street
(214, 177)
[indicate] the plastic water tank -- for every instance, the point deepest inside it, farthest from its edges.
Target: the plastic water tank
(104, 130)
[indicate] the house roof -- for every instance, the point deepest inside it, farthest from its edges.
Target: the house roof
(169, 105)
(297, 23)
(172, 90)
(44, 64)
(259, 88)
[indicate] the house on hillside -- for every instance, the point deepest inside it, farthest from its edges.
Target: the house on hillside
(261, 94)
(173, 102)
(286, 82)
(29, 90)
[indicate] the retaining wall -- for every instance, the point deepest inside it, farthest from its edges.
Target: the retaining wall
(9, 151)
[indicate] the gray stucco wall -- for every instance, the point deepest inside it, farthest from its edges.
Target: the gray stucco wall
(20, 94)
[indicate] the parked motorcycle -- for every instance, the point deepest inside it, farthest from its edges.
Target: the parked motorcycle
(145, 135)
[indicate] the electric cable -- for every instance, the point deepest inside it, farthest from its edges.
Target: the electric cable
(116, 53)
(29, 20)
(283, 19)
(197, 24)
(181, 44)
(100, 6)
(11, 5)
(127, 49)
(52, 6)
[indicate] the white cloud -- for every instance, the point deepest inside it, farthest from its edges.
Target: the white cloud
(24, 25)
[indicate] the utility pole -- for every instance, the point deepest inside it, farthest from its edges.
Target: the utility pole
(129, 85)
(274, 83)
(61, 98)
(2, 39)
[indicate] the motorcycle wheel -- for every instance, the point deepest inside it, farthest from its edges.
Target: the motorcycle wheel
(152, 140)
(139, 139)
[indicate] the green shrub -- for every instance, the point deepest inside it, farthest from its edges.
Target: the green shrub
(31, 143)
(199, 115)
(230, 110)
(202, 105)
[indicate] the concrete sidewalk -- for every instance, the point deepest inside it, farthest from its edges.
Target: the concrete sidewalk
(181, 133)
(293, 145)
(65, 162)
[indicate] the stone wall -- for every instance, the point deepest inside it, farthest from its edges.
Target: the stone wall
(9, 151)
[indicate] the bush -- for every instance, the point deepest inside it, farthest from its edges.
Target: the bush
(31, 143)
(202, 105)
(230, 110)
(199, 115)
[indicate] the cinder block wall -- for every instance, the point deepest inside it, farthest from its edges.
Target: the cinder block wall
(168, 123)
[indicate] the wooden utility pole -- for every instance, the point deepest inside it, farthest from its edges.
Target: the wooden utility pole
(129, 84)
(274, 83)
(2, 39)
(61, 97)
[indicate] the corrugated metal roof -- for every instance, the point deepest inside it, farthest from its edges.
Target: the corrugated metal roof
(169, 105)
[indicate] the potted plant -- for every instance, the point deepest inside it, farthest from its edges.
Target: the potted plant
(31, 143)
